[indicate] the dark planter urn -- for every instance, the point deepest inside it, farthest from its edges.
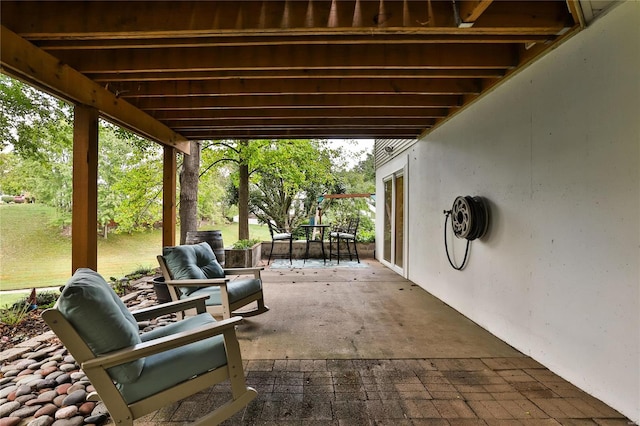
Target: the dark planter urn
(162, 290)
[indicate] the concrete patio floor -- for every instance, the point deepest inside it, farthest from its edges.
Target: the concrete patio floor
(363, 346)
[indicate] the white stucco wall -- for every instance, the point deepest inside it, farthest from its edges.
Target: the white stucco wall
(556, 151)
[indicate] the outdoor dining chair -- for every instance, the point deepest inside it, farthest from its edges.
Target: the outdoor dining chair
(346, 234)
(279, 234)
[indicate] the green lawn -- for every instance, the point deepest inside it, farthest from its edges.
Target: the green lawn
(35, 254)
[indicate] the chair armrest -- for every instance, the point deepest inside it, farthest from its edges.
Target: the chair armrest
(240, 271)
(244, 271)
(159, 345)
(170, 308)
(232, 270)
(199, 282)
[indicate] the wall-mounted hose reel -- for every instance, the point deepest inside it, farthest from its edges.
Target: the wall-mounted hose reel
(469, 220)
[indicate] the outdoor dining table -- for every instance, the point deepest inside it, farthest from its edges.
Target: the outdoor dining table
(309, 235)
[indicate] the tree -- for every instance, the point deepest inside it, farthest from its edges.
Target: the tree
(360, 179)
(243, 190)
(37, 142)
(35, 135)
(212, 194)
(29, 119)
(279, 177)
(291, 176)
(129, 181)
(242, 153)
(189, 175)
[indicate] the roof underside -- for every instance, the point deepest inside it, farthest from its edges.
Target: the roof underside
(193, 70)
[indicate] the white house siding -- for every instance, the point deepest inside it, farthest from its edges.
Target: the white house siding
(556, 151)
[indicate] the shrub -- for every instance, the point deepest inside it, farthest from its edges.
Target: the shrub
(14, 315)
(366, 236)
(142, 271)
(123, 286)
(120, 286)
(46, 299)
(245, 244)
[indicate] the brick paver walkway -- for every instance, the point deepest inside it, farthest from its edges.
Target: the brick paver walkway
(492, 391)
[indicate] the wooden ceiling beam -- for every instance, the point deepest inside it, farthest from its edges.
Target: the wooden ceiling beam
(295, 86)
(175, 117)
(439, 36)
(334, 133)
(244, 74)
(413, 128)
(179, 117)
(166, 18)
(299, 101)
(339, 122)
(23, 60)
(489, 56)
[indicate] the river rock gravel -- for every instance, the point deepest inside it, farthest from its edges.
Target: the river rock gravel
(46, 387)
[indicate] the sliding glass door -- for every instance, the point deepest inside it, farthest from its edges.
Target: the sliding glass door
(393, 243)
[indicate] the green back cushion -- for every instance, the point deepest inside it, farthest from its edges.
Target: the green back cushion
(192, 261)
(101, 319)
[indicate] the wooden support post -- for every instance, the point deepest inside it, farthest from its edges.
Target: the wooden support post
(84, 219)
(169, 197)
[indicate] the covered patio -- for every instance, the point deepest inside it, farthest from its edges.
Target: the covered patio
(373, 348)
(360, 345)
(370, 347)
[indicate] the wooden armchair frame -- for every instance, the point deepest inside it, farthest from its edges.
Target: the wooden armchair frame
(226, 309)
(123, 413)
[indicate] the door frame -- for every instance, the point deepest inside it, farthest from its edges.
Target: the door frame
(401, 172)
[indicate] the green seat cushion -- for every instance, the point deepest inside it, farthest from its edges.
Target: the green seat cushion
(192, 261)
(101, 319)
(243, 287)
(237, 289)
(213, 292)
(164, 370)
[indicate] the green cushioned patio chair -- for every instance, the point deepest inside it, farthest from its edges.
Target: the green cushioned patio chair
(192, 270)
(135, 374)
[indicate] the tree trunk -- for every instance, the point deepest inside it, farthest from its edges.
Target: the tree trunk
(243, 196)
(189, 192)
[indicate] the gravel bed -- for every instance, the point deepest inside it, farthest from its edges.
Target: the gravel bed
(42, 385)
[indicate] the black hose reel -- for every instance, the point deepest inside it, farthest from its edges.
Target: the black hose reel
(469, 220)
